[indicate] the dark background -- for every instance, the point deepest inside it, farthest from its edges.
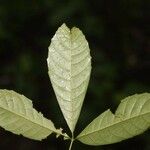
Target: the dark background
(118, 35)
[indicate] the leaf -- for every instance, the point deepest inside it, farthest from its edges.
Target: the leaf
(18, 116)
(131, 118)
(69, 65)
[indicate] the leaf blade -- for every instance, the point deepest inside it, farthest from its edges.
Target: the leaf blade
(131, 118)
(69, 65)
(18, 116)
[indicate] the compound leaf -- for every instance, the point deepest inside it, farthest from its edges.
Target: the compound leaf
(18, 116)
(69, 65)
(130, 119)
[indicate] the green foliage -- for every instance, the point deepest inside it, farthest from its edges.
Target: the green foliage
(131, 118)
(69, 65)
(18, 116)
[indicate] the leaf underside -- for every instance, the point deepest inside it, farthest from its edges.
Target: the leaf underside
(69, 65)
(18, 116)
(131, 118)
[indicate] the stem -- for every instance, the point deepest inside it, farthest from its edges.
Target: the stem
(72, 140)
(71, 144)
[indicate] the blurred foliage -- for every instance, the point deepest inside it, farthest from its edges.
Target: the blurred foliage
(118, 34)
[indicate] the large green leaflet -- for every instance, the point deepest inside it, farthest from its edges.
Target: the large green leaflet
(18, 116)
(69, 65)
(131, 118)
